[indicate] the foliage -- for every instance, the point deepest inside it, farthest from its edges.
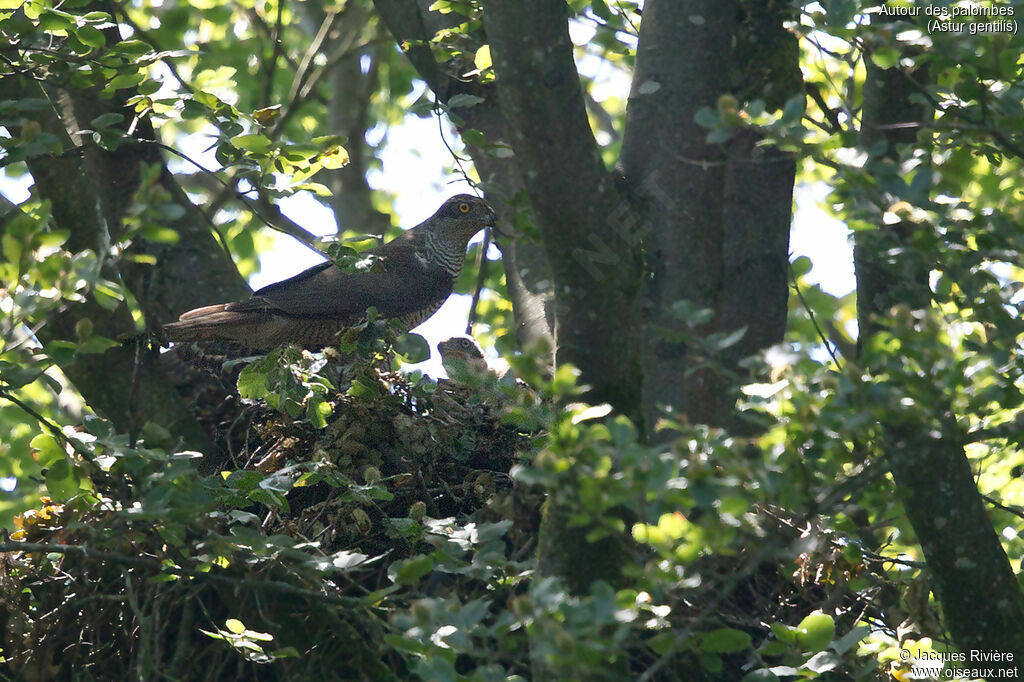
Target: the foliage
(352, 515)
(352, 521)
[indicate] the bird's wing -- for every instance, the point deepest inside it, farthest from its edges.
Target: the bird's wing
(407, 284)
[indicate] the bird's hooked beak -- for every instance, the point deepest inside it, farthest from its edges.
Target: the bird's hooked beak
(492, 217)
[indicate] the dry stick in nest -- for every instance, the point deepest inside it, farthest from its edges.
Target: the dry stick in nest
(161, 567)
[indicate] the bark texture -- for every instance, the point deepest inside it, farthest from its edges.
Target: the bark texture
(527, 271)
(932, 473)
(590, 243)
(715, 219)
(90, 189)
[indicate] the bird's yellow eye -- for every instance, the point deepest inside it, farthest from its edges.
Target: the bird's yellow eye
(463, 207)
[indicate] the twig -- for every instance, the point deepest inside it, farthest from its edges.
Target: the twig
(481, 276)
(271, 66)
(458, 159)
(829, 112)
(284, 225)
(148, 37)
(257, 20)
(160, 566)
(625, 15)
(893, 560)
(307, 88)
(133, 394)
(55, 430)
(958, 114)
(810, 313)
(681, 636)
(1016, 511)
(314, 48)
(1009, 431)
(598, 21)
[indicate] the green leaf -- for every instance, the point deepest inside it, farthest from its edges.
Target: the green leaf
(55, 20)
(47, 449)
(155, 435)
(711, 662)
(96, 344)
(252, 142)
(441, 7)
(794, 108)
(61, 481)
(361, 388)
(762, 675)
(334, 157)
(16, 377)
(252, 382)
(12, 249)
(720, 135)
(270, 498)
(772, 648)
(482, 60)
(267, 115)
(412, 347)
(725, 641)
(886, 57)
(106, 120)
(784, 633)
(435, 668)
(815, 631)
(457, 101)
(107, 294)
(244, 480)
(850, 639)
(61, 352)
(132, 47)
(601, 9)
(126, 80)
(234, 625)
(316, 188)
(317, 412)
(707, 117)
(408, 571)
(159, 234)
(91, 36)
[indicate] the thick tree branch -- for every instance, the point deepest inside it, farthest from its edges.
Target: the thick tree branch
(404, 20)
(70, 183)
(932, 473)
(680, 203)
(585, 225)
(351, 95)
(715, 217)
(527, 271)
(543, 98)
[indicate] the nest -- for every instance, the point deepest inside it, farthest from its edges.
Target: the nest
(151, 582)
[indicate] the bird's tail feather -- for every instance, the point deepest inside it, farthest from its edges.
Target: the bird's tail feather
(207, 322)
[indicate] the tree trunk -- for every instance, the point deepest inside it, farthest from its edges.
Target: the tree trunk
(980, 596)
(124, 384)
(590, 241)
(715, 219)
(527, 271)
